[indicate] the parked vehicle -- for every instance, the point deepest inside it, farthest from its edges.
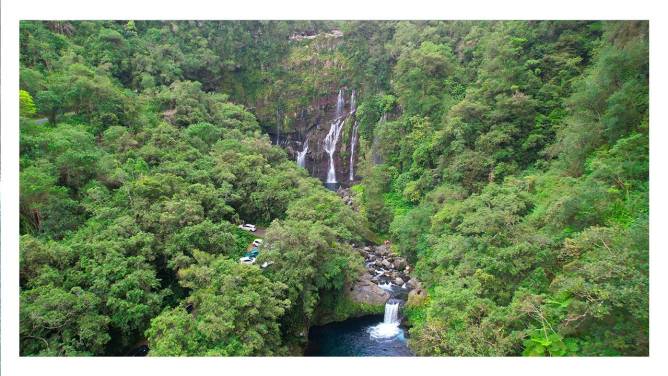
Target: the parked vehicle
(247, 260)
(248, 227)
(257, 242)
(253, 253)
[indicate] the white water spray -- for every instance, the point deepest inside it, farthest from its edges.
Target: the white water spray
(353, 142)
(329, 143)
(374, 145)
(389, 328)
(301, 156)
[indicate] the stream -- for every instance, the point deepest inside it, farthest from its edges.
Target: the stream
(374, 335)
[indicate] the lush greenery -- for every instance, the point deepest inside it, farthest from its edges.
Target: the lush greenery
(130, 195)
(515, 176)
(508, 161)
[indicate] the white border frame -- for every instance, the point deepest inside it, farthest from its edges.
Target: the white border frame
(14, 11)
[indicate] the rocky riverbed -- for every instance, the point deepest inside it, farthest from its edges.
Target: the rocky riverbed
(385, 267)
(387, 276)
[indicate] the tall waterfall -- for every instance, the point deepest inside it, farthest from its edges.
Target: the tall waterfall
(353, 137)
(390, 326)
(353, 141)
(278, 130)
(301, 155)
(377, 159)
(329, 143)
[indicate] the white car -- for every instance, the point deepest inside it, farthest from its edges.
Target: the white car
(247, 260)
(257, 242)
(248, 227)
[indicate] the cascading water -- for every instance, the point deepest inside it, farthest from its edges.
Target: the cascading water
(389, 328)
(301, 156)
(374, 145)
(329, 143)
(353, 138)
(353, 141)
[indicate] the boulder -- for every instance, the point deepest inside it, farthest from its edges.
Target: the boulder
(398, 281)
(417, 295)
(413, 284)
(386, 264)
(367, 292)
(399, 263)
(367, 249)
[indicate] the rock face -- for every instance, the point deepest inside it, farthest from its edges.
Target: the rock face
(417, 295)
(310, 126)
(367, 292)
(347, 197)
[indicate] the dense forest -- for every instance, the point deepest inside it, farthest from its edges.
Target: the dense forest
(507, 161)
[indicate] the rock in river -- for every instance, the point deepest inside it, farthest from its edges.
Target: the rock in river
(365, 291)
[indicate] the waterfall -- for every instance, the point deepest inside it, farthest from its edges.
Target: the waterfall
(353, 141)
(340, 102)
(301, 155)
(329, 143)
(278, 130)
(377, 159)
(386, 287)
(353, 137)
(391, 312)
(389, 328)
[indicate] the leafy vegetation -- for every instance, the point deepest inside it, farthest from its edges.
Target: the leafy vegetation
(516, 170)
(508, 161)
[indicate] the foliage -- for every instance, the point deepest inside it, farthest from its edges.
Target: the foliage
(233, 311)
(26, 104)
(507, 160)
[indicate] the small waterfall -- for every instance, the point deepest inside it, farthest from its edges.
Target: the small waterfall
(278, 130)
(389, 328)
(353, 137)
(353, 141)
(340, 102)
(301, 156)
(391, 312)
(377, 159)
(329, 143)
(385, 286)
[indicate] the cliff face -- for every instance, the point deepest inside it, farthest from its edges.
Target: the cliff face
(312, 125)
(303, 100)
